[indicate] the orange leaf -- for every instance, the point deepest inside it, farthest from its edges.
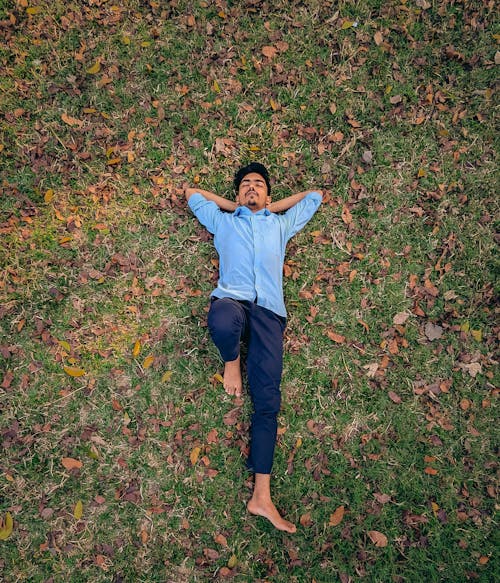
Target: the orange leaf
(378, 539)
(338, 338)
(137, 349)
(148, 361)
(431, 471)
(71, 121)
(337, 516)
(194, 455)
(269, 52)
(305, 519)
(346, 215)
(220, 539)
(71, 463)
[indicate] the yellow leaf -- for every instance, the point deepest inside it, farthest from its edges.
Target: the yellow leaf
(347, 24)
(49, 195)
(32, 10)
(65, 345)
(218, 378)
(63, 240)
(148, 361)
(421, 173)
(254, 149)
(216, 87)
(126, 419)
(96, 67)
(78, 511)
(194, 455)
(465, 327)
(74, 371)
(477, 335)
(233, 561)
(125, 39)
(145, 43)
(6, 526)
(137, 349)
(298, 443)
(166, 376)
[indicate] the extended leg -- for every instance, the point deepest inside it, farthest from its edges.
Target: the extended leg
(265, 362)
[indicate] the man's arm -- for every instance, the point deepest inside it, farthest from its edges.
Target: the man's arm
(223, 203)
(285, 203)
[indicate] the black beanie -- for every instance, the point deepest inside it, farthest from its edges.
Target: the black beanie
(252, 167)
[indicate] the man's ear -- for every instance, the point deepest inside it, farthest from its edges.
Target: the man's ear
(268, 201)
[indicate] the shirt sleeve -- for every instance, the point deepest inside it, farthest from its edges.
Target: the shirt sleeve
(206, 211)
(300, 214)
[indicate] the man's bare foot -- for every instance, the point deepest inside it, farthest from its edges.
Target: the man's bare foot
(233, 384)
(268, 510)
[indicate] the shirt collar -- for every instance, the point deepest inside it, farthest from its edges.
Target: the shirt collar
(243, 210)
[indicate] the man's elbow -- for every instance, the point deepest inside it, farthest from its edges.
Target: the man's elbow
(188, 192)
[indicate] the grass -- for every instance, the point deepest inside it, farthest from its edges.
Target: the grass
(99, 251)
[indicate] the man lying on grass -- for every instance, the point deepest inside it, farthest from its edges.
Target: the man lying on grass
(248, 305)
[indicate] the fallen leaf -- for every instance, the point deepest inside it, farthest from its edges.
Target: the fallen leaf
(137, 349)
(338, 338)
(473, 368)
(400, 318)
(337, 516)
(33, 10)
(433, 331)
(378, 539)
(378, 38)
(346, 215)
(371, 369)
(71, 121)
(167, 375)
(73, 371)
(94, 69)
(218, 377)
(71, 463)
(269, 52)
(382, 498)
(194, 455)
(394, 397)
(6, 526)
(431, 471)
(49, 195)
(233, 561)
(78, 510)
(305, 519)
(220, 539)
(148, 361)
(477, 335)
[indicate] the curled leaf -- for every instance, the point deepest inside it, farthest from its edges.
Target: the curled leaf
(6, 526)
(96, 67)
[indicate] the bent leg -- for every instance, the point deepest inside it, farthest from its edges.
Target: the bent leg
(227, 325)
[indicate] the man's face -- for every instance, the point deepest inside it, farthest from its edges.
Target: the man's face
(252, 192)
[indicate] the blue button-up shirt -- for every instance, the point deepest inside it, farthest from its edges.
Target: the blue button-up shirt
(251, 248)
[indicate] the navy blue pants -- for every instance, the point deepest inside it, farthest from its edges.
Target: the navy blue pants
(231, 321)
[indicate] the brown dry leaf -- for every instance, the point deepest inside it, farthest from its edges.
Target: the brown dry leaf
(71, 463)
(465, 404)
(431, 471)
(378, 539)
(269, 51)
(220, 539)
(433, 331)
(371, 369)
(346, 215)
(382, 498)
(400, 318)
(305, 519)
(394, 397)
(337, 517)
(338, 338)
(194, 455)
(71, 121)
(378, 37)
(212, 436)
